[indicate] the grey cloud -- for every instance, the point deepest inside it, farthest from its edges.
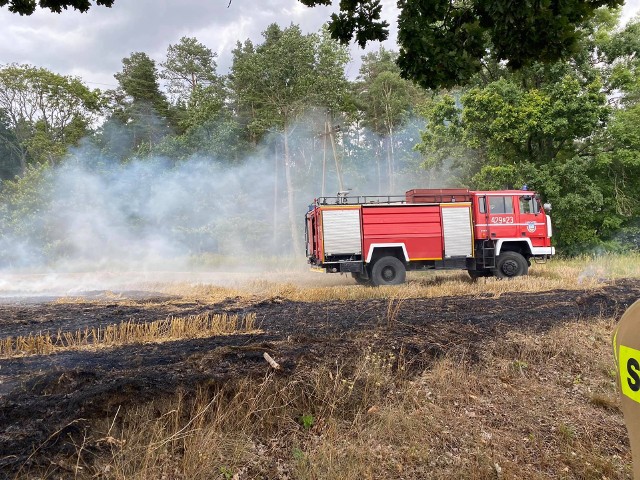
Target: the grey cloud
(94, 44)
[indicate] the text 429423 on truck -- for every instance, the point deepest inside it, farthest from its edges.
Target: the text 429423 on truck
(377, 239)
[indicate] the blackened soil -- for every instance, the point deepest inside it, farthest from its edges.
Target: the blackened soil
(46, 398)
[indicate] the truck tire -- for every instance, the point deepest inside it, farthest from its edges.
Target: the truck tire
(510, 264)
(388, 271)
(360, 279)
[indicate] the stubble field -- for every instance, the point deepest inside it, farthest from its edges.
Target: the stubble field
(165, 377)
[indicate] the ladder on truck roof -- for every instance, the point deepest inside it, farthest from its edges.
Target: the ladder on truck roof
(429, 196)
(361, 200)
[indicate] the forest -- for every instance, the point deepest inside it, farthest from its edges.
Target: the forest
(179, 159)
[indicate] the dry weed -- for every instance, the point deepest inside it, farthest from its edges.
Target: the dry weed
(173, 328)
(588, 272)
(243, 426)
(577, 274)
(552, 416)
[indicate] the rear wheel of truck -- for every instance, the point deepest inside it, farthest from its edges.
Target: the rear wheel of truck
(388, 271)
(510, 264)
(360, 278)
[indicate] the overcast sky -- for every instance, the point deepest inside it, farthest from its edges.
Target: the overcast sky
(92, 45)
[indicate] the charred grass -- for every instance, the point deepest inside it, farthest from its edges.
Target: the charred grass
(441, 378)
(535, 406)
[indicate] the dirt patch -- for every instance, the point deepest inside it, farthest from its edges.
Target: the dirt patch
(45, 399)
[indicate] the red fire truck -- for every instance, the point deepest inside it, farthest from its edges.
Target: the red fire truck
(377, 239)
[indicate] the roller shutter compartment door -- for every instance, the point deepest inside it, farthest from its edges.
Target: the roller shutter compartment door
(458, 234)
(342, 232)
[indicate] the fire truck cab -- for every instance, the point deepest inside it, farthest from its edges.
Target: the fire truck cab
(377, 239)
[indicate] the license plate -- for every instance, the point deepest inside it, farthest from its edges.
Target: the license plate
(318, 270)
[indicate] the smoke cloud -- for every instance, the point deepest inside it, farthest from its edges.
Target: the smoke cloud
(91, 214)
(143, 214)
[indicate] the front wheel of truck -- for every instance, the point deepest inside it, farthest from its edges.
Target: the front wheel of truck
(510, 264)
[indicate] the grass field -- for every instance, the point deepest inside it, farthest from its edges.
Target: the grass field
(302, 285)
(534, 407)
(440, 378)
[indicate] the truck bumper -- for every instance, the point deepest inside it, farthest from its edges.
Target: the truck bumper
(541, 251)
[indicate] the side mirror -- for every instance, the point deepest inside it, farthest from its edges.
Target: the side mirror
(547, 207)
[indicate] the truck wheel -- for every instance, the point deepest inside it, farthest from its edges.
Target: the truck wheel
(510, 264)
(388, 271)
(360, 279)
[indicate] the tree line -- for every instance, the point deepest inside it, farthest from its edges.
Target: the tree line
(567, 128)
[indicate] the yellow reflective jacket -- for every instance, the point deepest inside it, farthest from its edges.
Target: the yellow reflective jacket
(626, 350)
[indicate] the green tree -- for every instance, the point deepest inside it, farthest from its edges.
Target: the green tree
(617, 165)
(618, 50)
(9, 150)
(359, 19)
(45, 112)
(139, 81)
(443, 42)
(507, 135)
(189, 65)
(387, 102)
(209, 130)
(22, 201)
(275, 83)
(140, 113)
(553, 128)
(204, 123)
(240, 81)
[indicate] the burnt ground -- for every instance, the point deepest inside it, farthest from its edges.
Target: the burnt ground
(42, 398)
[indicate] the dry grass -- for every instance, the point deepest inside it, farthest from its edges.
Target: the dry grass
(577, 274)
(298, 284)
(173, 328)
(536, 406)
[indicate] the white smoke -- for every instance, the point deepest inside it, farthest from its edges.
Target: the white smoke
(91, 214)
(145, 213)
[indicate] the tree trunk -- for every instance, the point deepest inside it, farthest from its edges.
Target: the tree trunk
(378, 153)
(275, 200)
(389, 168)
(295, 237)
(23, 161)
(388, 121)
(324, 158)
(335, 157)
(392, 163)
